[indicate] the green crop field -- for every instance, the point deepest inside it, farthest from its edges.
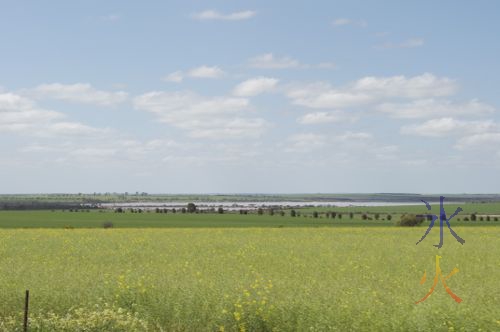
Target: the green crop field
(95, 219)
(253, 279)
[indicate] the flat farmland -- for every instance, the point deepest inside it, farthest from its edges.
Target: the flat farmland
(252, 279)
(96, 218)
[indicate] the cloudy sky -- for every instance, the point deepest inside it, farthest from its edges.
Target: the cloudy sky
(249, 96)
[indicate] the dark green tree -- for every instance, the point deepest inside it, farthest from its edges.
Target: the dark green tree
(191, 208)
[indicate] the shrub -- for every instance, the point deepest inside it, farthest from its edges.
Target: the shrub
(315, 214)
(473, 217)
(293, 213)
(107, 224)
(410, 220)
(389, 217)
(495, 219)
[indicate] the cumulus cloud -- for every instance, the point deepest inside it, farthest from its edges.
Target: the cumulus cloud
(21, 115)
(255, 86)
(449, 126)
(117, 149)
(206, 72)
(78, 93)
(176, 76)
(113, 17)
(409, 43)
(434, 107)
(347, 143)
(369, 90)
(488, 140)
(269, 61)
(198, 72)
(326, 65)
(421, 86)
(305, 142)
(202, 117)
(325, 117)
(353, 136)
(210, 15)
(347, 21)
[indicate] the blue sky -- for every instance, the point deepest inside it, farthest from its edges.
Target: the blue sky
(254, 96)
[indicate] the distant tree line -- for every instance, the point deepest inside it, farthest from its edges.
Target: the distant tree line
(34, 205)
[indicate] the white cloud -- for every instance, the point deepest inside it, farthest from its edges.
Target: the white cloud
(269, 61)
(206, 72)
(326, 65)
(79, 93)
(325, 117)
(322, 95)
(29, 116)
(409, 43)
(434, 107)
(176, 76)
(113, 17)
(347, 21)
(487, 140)
(72, 129)
(216, 15)
(421, 86)
(13, 102)
(20, 115)
(198, 72)
(255, 86)
(341, 21)
(369, 90)
(354, 136)
(305, 142)
(118, 149)
(202, 117)
(347, 143)
(448, 126)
